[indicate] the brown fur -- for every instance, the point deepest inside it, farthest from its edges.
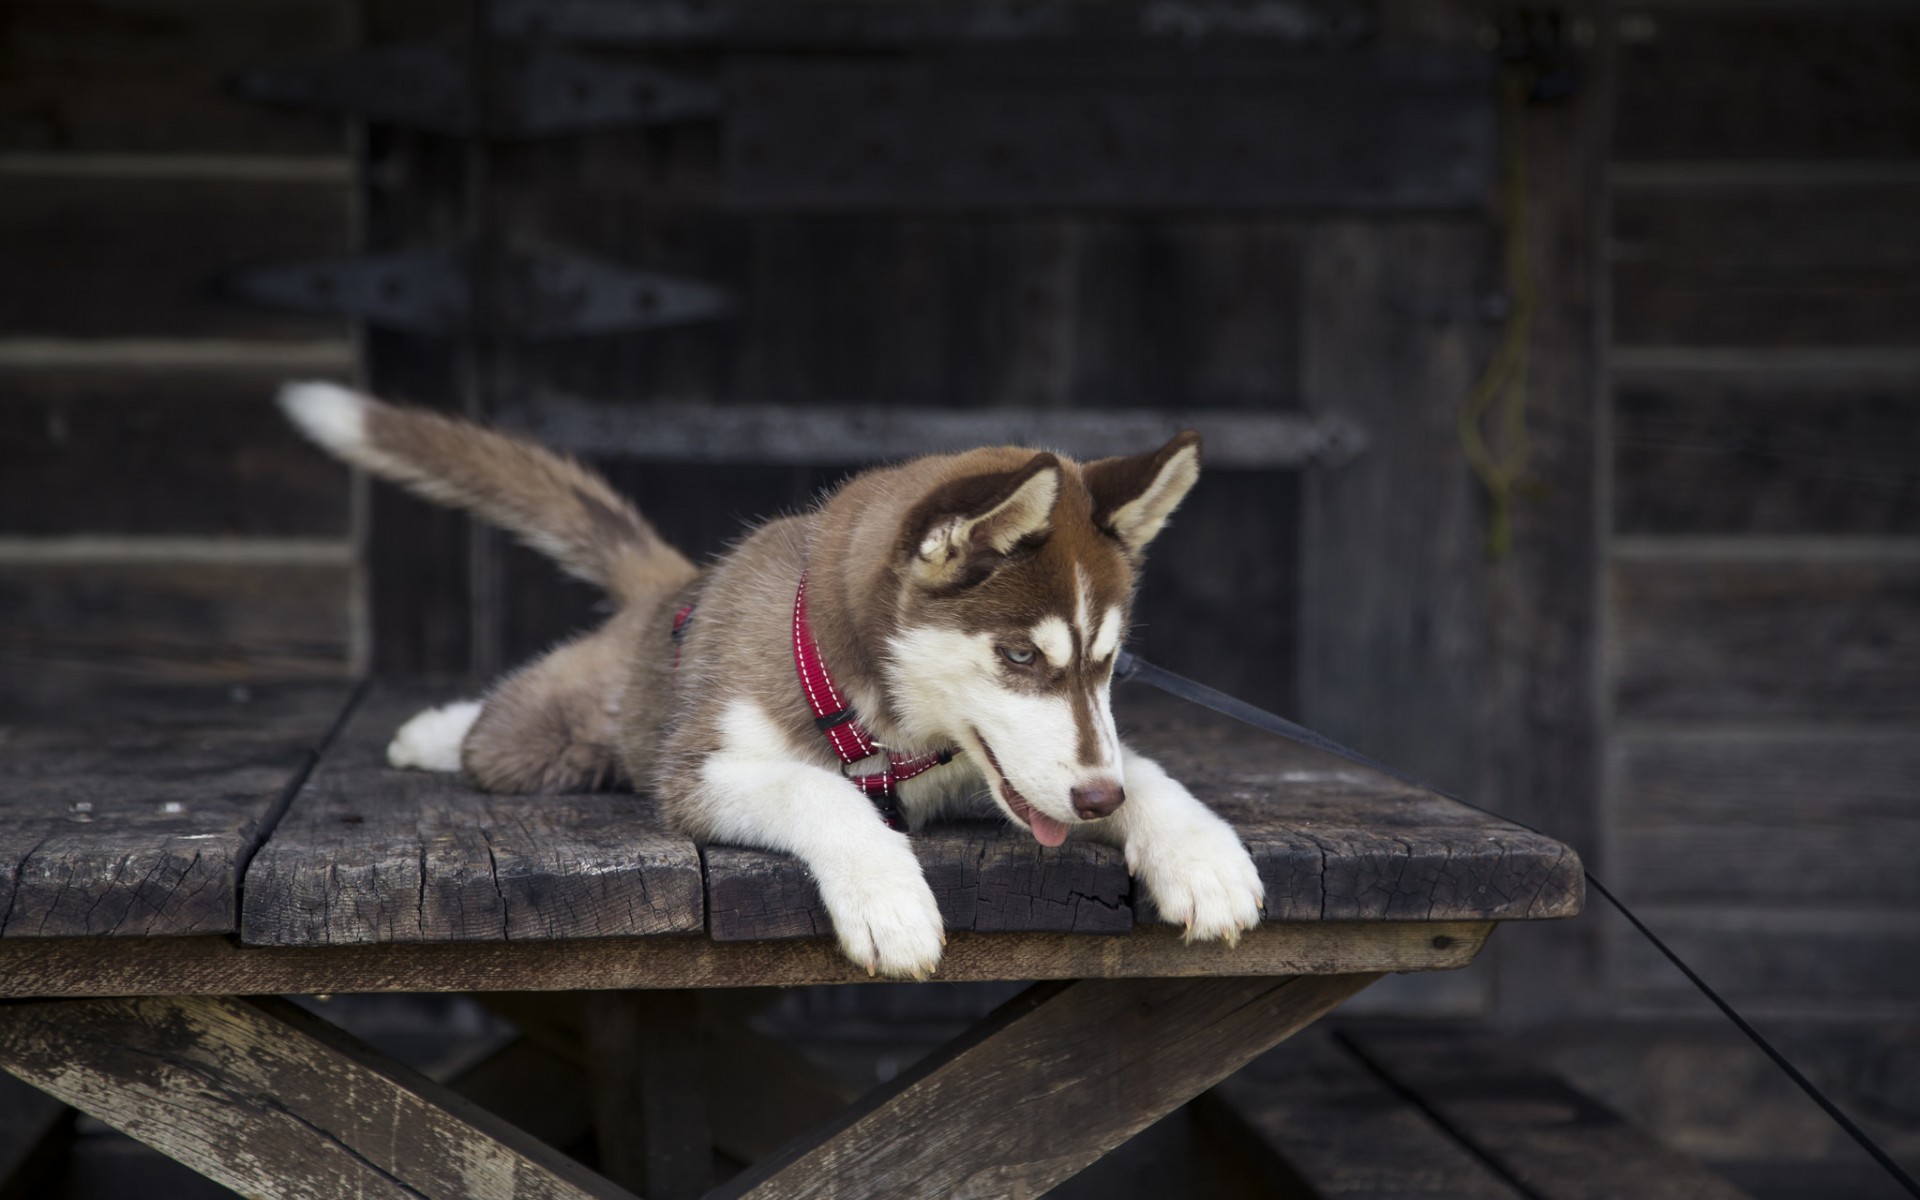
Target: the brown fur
(609, 707)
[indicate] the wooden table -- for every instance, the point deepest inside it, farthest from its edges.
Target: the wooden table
(166, 855)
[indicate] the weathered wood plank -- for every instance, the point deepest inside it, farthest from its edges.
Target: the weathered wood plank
(1806, 637)
(1336, 842)
(145, 77)
(131, 816)
(77, 239)
(1341, 1132)
(216, 966)
(173, 452)
(68, 629)
(1391, 130)
(1333, 842)
(645, 1056)
(370, 854)
(1766, 454)
(1117, 1055)
(1556, 1142)
(1772, 82)
(1816, 816)
(1766, 266)
(282, 1104)
(1781, 960)
(987, 876)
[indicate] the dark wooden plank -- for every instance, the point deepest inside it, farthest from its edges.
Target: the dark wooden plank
(1332, 842)
(34, 1132)
(1779, 960)
(533, 1089)
(759, 24)
(174, 452)
(1797, 635)
(987, 876)
(131, 816)
(147, 76)
(1341, 1133)
(67, 629)
(367, 853)
(645, 1056)
(1784, 265)
(217, 966)
(1392, 589)
(1556, 1142)
(1774, 82)
(1395, 130)
(282, 1103)
(1119, 1054)
(1336, 842)
(81, 239)
(1821, 817)
(1697, 453)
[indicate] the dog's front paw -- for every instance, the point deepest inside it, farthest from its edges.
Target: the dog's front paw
(886, 917)
(1201, 877)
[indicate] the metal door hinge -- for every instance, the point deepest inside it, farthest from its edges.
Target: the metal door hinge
(528, 292)
(528, 91)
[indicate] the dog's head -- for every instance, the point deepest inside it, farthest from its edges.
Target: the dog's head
(1016, 580)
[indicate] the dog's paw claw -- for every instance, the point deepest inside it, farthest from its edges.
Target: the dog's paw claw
(1204, 881)
(887, 921)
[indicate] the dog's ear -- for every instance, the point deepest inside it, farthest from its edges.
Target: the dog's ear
(966, 527)
(1134, 496)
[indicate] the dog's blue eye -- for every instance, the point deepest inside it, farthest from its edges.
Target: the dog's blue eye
(1018, 658)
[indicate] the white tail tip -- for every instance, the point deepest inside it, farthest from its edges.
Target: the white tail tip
(331, 415)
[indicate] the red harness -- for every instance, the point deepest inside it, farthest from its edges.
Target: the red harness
(850, 740)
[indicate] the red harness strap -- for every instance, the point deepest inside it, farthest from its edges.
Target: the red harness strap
(851, 742)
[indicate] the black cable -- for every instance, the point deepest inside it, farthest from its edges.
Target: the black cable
(1129, 666)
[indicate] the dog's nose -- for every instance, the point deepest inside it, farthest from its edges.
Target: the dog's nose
(1098, 799)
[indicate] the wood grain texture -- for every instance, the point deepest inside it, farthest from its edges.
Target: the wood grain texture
(216, 966)
(281, 1103)
(1556, 1142)
(175, 452)
(1790, 637)
(1342, 1132)
(1099, 1059)
(1759, 454)
(1820, 817)
(1332, 842)
(68, 630)
(370, 854)
(79, 239)
(987, 876)
(1766, 266)
(1778, 960)
(132, 818)
(1374, 130)
(1336, 842)
(1803, 81)
(146, 77)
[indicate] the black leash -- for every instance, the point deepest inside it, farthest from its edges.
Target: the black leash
(1130, 667)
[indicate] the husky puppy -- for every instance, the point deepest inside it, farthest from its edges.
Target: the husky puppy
(935, 637)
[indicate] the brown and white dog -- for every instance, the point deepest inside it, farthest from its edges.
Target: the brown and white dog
(960, 613)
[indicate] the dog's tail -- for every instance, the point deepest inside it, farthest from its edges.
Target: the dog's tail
(551, 502)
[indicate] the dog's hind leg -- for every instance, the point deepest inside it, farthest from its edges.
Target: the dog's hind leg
(553, 725)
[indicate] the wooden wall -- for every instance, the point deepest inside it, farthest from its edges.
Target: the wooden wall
(1763, 583)
(157, 520)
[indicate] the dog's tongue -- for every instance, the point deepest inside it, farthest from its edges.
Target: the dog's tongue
(1046, 830)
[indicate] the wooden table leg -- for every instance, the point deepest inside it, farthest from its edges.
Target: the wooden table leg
(272, 1101)
(1044, 1086)
(646, 1068)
